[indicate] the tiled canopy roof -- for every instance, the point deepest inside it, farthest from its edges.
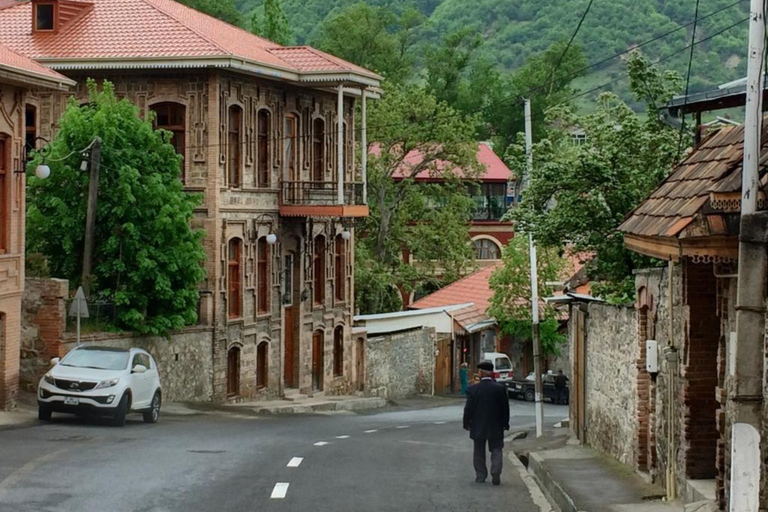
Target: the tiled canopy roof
(495, 168)
(714, 167)
(154, 29)
(15, 64)
(474, 288)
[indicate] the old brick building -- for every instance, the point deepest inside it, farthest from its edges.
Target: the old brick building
(19, 77)
(267, 134)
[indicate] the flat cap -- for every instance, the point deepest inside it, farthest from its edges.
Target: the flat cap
(485, 365)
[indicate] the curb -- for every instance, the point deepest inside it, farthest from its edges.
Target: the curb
(554, 490)
(538, 497)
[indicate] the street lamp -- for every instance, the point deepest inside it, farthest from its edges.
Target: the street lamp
(42, 171)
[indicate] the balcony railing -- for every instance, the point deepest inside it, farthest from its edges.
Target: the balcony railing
(319, 193)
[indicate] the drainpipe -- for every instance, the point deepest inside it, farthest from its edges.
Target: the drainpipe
(364, 145)
(340, 147)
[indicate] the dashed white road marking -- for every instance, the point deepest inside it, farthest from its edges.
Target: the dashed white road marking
(370, 431)
(295, 462)
(321, 443)
(342, 437)
(440, 423)
(280, 490)
(403, 426)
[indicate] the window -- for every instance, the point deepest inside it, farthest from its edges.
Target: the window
(291, 147)
(341, 269)
(30, 124)
(263, 148)
(173, 117)
(487, 249)
(338, 352)
(140, 359)
(234, 278)
(262, 276)
(45, 16)
(262, 365)
(233, 371)
(5, 203)
(319, 261)
(234, 161)
(318, 150)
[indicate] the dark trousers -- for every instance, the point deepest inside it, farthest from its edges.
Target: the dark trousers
(481, 470)
(561, 396)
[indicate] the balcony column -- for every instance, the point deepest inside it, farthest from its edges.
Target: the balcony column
(364, 144)
(340, 146)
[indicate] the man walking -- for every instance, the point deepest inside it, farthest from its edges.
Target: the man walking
(486, 416)
(561, 393)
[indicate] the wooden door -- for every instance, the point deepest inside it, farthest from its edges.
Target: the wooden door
(443, 367)
(290, 373)
(233, 372)
(360, 363)
(578, 404)
(317, 360)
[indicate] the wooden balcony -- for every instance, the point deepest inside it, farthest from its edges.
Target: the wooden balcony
(320, 199)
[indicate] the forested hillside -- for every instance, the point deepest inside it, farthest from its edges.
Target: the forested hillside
(514, 30)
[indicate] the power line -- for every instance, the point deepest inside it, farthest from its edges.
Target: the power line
(570, 42)
(688, 81)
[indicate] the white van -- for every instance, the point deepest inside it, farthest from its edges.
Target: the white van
(502, 366)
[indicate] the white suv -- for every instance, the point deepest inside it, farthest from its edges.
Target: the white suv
(102, 381)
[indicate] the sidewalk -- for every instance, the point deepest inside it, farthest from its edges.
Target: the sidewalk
(577, 478)
(22, 416)
(309, 405)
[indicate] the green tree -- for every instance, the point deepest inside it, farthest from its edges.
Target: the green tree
(274, 24)
(225, 10)
(147, 259)
(579, 195)
(511, 300)
(374, 38)
(428, 220)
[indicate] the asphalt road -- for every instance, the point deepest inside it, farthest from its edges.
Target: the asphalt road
(411, 459)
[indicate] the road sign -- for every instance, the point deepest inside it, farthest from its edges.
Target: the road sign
(79, 307)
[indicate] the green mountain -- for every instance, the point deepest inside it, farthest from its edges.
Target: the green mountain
(516, 29)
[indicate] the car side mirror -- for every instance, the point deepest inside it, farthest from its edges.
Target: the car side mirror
(55, 361)
(139, 368)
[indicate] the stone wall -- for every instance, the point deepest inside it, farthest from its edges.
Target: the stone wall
(184, 359)
(610, 390)
(401, 364)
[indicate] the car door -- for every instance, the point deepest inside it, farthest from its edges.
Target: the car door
(140, 382)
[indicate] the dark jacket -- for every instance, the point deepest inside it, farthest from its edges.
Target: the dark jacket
(560, 381)
(486, 414)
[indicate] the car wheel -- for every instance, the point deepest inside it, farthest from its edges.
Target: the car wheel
(44, 413)
(121, 412)
(530, 396)
(153, 414)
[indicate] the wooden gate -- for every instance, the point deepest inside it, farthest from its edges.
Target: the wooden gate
(443, 367)
(578, 402)
(318, 365)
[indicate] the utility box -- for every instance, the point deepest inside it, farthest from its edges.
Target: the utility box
(652, 356)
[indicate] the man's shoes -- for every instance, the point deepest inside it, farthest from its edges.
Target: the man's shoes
(497, 480)
(480, 480)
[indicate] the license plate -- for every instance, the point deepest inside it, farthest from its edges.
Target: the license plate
(504, 375)
(68, 400)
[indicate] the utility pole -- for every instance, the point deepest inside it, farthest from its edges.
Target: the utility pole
(745, 395)
(536, 340)
(90, 216)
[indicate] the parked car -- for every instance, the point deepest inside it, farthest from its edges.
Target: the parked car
(102, 381)
(502, 367)
(526, 389)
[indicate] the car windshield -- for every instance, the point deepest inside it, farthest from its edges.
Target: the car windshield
(97, 359)
(502, 363)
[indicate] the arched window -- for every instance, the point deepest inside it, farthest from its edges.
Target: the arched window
(341, 268)
(262, 365)
(319, 261)
(264, 123)
(487, 249)
(233, 371)
(234, 161)
(338, 352)
(173, 117)
(318, 359)
(262, 276)
(234, 277)
(318, 150)
(5, 202)
(30, 125)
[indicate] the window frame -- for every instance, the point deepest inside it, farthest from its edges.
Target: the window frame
(263, 167)
(179, 138)
(5, 200)
(340, 267)
(263, 284)
(318, 150)
(234, 146)
(338, 351)
(234, 286)
(262, 365)
(291, 147)
(483, 245)
(54, 16)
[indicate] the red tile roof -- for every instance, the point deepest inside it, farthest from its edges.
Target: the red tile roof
(474, 288)
(155, 29)
(17, 64)
(495, 168)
